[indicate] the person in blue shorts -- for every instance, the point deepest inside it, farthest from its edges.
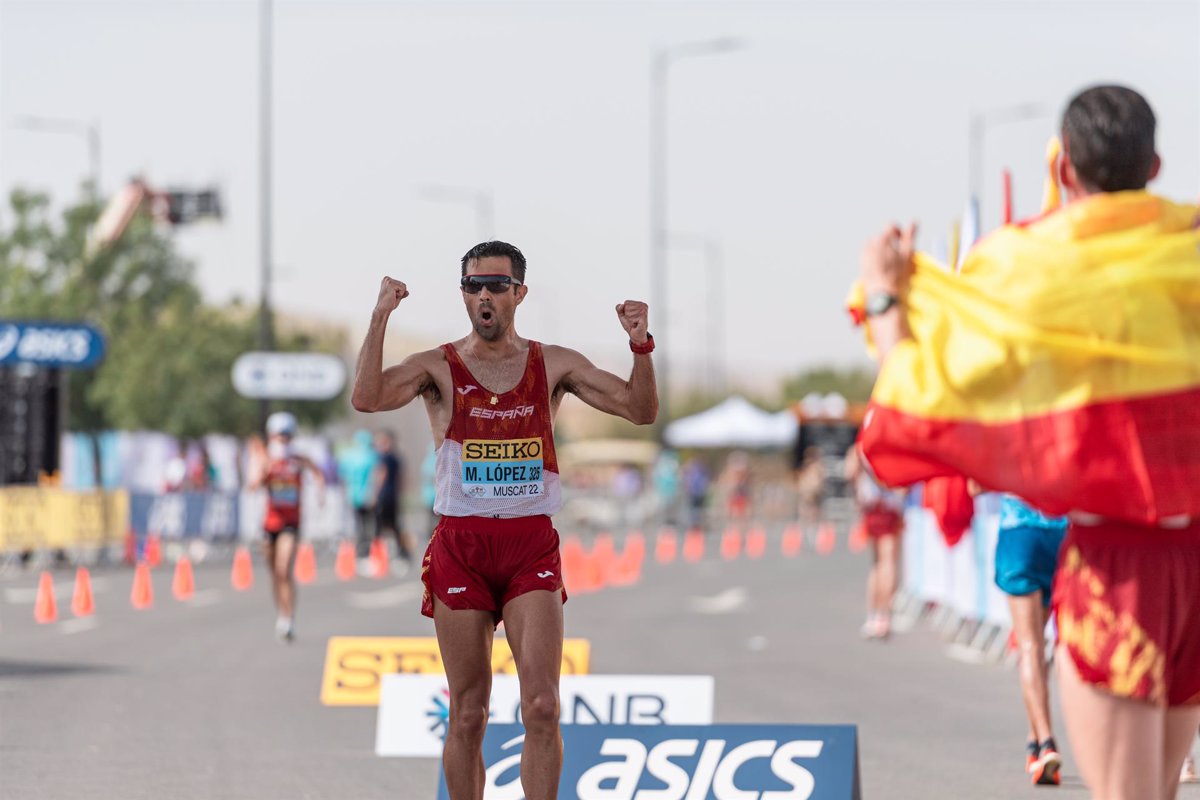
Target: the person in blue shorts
(1026, 557)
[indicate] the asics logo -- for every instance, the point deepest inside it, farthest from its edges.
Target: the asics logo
(465, 390)
(545, 574)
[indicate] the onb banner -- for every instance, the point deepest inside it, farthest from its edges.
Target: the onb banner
(414, 709)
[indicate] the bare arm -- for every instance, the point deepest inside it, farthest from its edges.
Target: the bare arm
(886, 266)
(635, 399)
(377, 389)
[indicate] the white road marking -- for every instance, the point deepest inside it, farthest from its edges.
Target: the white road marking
(384, 598)
(78, 625)
(722, 603)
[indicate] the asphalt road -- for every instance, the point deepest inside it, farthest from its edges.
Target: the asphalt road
(197, 699)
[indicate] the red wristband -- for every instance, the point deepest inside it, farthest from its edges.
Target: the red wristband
(643, 349)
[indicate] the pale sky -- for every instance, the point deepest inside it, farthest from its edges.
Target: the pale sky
(834, 119)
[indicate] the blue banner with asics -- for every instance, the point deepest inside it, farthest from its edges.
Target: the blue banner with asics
(685, 762)
(50, 344)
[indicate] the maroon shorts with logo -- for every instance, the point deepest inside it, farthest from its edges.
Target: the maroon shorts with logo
(481, 563)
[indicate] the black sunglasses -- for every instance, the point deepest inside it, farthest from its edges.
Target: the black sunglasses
(495, 284)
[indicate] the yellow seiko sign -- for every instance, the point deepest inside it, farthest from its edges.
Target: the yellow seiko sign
(355, 665)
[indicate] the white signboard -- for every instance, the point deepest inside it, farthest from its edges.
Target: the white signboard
(413, 709)
(288, 376)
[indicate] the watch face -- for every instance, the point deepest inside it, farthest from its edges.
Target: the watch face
(879, 302)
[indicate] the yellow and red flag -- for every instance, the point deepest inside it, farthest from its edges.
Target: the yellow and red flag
(1062, 364)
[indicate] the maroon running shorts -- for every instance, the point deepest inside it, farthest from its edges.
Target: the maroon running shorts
(1128, 601)
(481, 563)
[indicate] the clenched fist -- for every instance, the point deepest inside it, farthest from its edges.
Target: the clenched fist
(391, 292)
(633, 315)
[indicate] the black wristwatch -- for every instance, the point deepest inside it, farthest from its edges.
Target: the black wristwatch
(879, 302)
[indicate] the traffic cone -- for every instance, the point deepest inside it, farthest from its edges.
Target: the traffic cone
(756, 543)
(693, 545)
(142, 596)
(858, 538)
(627, 570)
(153, 554)
(379, 558)
(345, 568)
(184, 584)
(666, 547)
(242, 576)
(130, 556)
(306, 564)
(45, 609)
(731, 544)
(82, 603)
(826, 539)
(601, 560)
(574, 566)
(793, 541)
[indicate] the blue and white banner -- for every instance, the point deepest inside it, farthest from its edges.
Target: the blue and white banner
(671, 762)
(209, 515)
(50, 344)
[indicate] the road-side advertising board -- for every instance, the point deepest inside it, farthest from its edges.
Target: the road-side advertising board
(50, 344)
(685, 762)
(288, 376)
(414, 709)
(355, 665)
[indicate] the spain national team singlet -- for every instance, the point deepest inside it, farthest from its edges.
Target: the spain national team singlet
(283, 494)
(497, 459)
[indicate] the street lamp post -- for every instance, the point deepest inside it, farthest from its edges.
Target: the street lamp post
(978, 123)
(660, 64)
(480, 200)
(266, 330)
(75, 127)
(714, 293)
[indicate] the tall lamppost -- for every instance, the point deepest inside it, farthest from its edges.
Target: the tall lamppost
(660, 65)
(266, 330)
(480, 200)
(714, 289)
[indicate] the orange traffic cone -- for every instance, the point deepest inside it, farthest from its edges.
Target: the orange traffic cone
(627, 570)
(574, 566)
(379, 558)
(82, 603)
(242, 576)
(45, 609)
(306, 564)
(826, 539)
(693, 545)
(601, 560)
(344, 569)
(858, 538)
(731, 544)
(130, 556)
(666, 546)
(793, 541)
(184, 584)
(756, 543)
(142, 596)
(153, 555)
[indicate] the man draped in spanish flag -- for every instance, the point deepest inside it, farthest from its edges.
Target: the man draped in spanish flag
(1063, 366)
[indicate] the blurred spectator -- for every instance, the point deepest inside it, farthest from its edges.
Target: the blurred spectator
(810, 486)
(666, 483)
(356, 465)
(695, 485)
(737, 482)
(626, 488)
(429, 488)
(388, 487)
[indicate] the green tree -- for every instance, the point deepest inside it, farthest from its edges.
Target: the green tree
(853, 383)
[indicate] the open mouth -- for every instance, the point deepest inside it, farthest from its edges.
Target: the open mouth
(486, 316)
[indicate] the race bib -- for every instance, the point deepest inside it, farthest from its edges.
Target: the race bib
(502, 468)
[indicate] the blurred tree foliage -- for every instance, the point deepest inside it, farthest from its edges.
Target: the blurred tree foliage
(853, 383)
(169, 356)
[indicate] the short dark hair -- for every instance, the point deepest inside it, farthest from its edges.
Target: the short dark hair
(485, 249)
(1108, 132)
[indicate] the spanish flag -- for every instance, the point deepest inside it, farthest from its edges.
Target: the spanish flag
(1062, 365)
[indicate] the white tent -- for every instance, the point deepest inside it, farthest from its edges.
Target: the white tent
(734, 423)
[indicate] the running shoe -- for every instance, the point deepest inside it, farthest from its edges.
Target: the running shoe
(1031, 756)
(1045, 771)
(284, 631)
(1188, 773)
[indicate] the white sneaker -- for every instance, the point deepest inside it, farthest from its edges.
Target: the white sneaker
(284, 630)
(1188, 773)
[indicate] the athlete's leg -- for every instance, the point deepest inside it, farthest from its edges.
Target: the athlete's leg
(465, 640)
(268, 550)
(885, 583)
(281, 574)
(1118, 742)
(1181, 725)
(534, 623)
(1029, 625)
(873, 582)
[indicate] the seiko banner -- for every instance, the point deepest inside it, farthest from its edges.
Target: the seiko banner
(669, 762)
(50, 345)
(414, 709)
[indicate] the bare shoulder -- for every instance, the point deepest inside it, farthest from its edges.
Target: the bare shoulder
(556, 356)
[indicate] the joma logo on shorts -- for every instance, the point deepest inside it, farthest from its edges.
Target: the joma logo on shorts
(495, 413)
(505, 450)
